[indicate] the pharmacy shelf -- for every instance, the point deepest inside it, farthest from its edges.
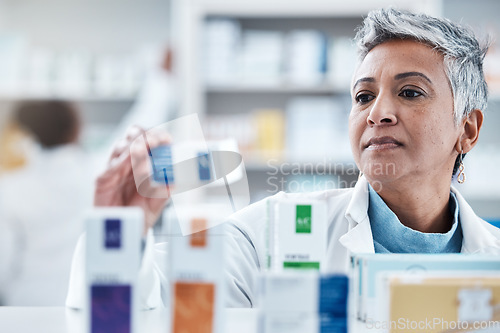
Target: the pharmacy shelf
(233, 97)
(312, 8)
(263, 161)
(275, 88)
(192, 14)
(69, 97)
(304, 167)
(112, 39)
(239, 98)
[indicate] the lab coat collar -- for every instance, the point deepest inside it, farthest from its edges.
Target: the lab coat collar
(477, 238)
(359, 238)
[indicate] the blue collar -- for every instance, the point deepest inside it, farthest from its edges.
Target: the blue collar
(391, 236)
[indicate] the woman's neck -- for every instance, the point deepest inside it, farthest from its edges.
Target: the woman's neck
(421, 207)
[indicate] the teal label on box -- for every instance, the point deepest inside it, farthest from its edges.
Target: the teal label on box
(303, 219)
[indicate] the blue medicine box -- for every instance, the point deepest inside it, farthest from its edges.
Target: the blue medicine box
(161, 162)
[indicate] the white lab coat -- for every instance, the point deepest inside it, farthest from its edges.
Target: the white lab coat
(41, 206)
(349, 232)
(40, 224)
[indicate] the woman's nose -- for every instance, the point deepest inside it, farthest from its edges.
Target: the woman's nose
(383, 112)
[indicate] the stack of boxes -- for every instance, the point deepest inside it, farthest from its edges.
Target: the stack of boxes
(294, 296)
(303, 302)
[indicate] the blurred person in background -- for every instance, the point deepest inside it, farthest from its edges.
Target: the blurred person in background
(40, 204)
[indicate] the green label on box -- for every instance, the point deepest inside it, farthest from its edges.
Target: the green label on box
(303, 219)
(301, 264)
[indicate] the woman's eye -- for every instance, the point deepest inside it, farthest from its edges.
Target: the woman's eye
(363, 98)
(410, 93)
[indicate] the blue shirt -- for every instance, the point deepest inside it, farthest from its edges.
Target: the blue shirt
(391, 236)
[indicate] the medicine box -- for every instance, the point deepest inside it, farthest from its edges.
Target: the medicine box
(196, 274)
(296, 234)
(187, 165)
(439, 301)
(367, 266)
(113, 257)
(303, 301)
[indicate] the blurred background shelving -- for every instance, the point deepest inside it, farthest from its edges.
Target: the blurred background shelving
(264, 72)
(222, 86)
(482, 189)
(95, 53)
(275, 75)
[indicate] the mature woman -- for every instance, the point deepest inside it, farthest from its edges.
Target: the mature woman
(417, 98)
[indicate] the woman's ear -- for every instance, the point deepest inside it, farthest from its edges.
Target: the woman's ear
(470, 131)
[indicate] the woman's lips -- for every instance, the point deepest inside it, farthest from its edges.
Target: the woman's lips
(383, 142)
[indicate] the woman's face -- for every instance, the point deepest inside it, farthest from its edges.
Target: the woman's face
(401, 123)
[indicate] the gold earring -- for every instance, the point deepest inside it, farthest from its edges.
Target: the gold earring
(461, 169)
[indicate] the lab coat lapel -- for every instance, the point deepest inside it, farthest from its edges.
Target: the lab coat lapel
(477, 239)
(359, 238)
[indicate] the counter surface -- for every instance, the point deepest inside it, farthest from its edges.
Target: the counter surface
(63, 320)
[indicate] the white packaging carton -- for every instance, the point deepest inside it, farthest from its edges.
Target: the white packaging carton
(303, 301)
(196, 273)
(113, 257)
(296, 234)
(369, 266)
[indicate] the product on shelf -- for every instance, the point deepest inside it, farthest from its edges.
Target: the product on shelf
(439, 301)
(368, 266)
(261, 57)
(42, 72)
(342, 60)
(221, 42)
(113, 258)
(303, 302)
(316, 128)
(235, 55)
(270, 129)
(196, 274)
(296, 234)
(306, 57)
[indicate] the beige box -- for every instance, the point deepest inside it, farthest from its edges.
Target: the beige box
(439, 302)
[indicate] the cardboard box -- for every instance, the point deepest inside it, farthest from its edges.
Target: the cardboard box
(440, 301)
(367, 266)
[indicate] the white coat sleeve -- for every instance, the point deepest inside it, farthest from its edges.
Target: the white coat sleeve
(242, 267)
(9, 246)
(246, 255)
(149, 279)
(7, 256)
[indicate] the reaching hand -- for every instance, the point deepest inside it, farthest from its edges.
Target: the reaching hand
(116, 186)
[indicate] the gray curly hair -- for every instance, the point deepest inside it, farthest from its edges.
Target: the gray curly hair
(463, 54)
